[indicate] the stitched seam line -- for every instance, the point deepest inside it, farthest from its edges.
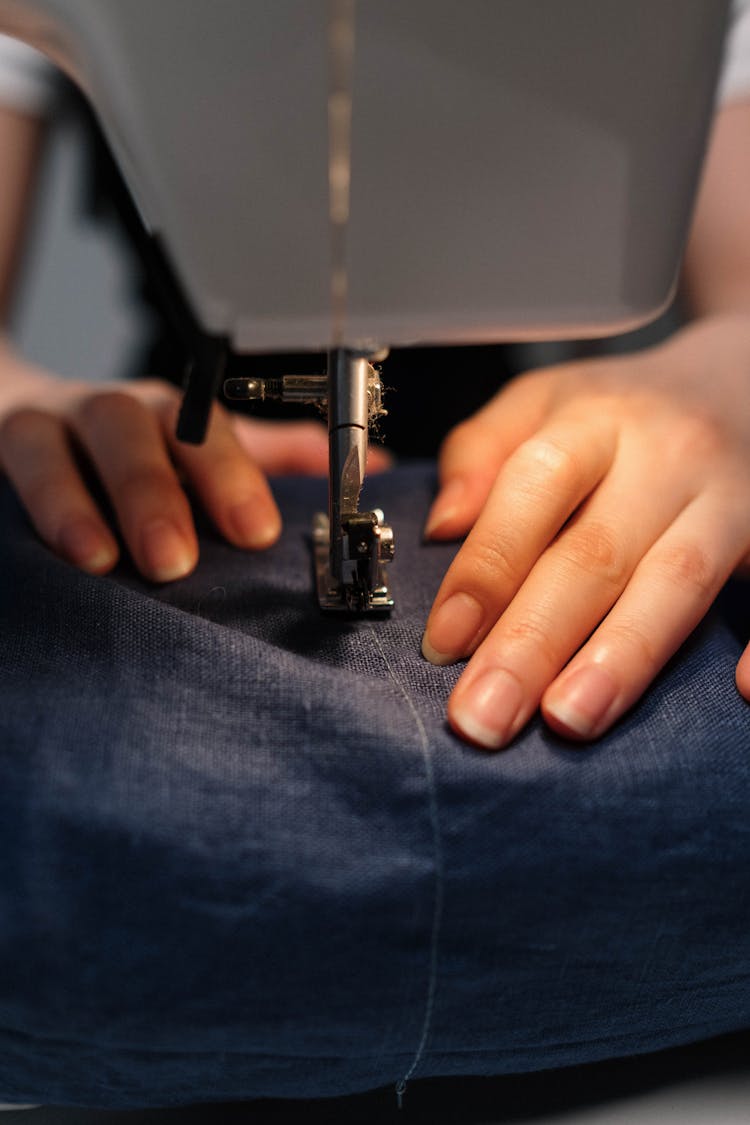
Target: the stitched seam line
(437, 913)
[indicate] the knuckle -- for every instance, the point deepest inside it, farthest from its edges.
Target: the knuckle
(146, 482)
(95, 409)
(167, 410)
(629, 635)
(20, 427)
(597, 550)
(158, 396)
(153, 387)
(545, 458)
(493, 567)
(696, 436)
(689, 567)
(532, 633)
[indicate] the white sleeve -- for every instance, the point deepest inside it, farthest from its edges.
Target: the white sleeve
(26, 77)
(735, 78)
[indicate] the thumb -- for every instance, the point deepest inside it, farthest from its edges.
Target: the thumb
(475, 450)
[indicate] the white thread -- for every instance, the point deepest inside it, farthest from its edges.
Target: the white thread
(437, 913)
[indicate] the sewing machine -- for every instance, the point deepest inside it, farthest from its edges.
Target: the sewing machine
(355, 174)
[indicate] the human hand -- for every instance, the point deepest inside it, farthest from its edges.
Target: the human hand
(608, 502)
(125, 432)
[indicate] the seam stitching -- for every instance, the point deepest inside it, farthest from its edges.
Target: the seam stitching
(437, 914)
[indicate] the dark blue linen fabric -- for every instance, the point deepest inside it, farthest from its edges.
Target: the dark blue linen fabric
(241, 855)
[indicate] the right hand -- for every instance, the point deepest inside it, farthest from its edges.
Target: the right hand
(125, 433)
(605, 504)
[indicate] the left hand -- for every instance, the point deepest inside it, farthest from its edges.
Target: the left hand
(608, 502)
(125, 435)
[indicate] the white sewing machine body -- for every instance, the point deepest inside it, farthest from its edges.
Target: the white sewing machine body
(516, 169)
(352, 174)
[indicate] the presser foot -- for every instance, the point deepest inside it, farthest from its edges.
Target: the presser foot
(367, 549)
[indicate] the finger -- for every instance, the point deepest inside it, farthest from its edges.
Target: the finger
(379, 459)
(671, 590)
(231, 486)
(472, 453)
(292, 448)
(125, 441)
(570, 589)
(284, 448)
(537, 490)
(36, 454)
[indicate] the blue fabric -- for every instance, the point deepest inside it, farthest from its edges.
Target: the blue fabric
(241, 855)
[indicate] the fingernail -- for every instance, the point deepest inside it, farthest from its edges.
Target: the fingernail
(486, 712)
(83, 544)
(256, 523)
(165, 550)
(451, 631)
(448, 505)
(584, 701)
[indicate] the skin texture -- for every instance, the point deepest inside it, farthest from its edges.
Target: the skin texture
(604, 502)
(611, 505)
(125, 434)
